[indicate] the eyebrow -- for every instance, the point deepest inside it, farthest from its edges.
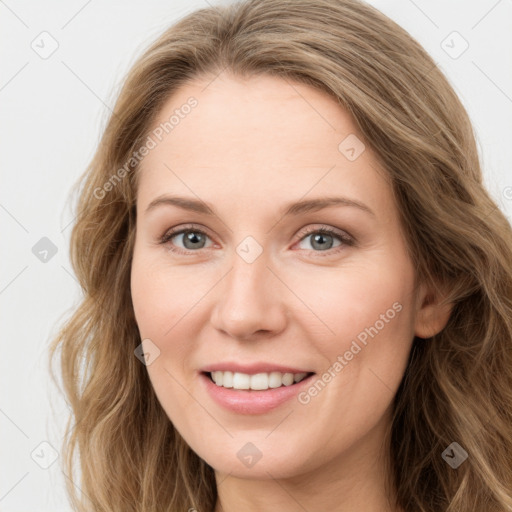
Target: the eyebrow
(295, 208)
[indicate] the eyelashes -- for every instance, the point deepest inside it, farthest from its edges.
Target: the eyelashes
(326, 232)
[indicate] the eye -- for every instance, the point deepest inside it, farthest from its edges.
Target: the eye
(323, 239)
(191, 239)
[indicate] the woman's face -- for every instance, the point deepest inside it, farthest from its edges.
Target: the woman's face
(254, 290)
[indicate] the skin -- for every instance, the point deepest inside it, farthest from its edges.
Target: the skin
(248, 148)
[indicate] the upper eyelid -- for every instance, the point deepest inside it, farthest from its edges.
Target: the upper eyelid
(323, 227)
(179, 231)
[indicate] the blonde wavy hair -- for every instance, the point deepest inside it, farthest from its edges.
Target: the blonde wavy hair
(458, 384)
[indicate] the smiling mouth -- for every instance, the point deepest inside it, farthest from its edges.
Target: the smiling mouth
(256, 382)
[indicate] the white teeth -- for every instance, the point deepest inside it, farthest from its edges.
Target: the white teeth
(288, 379)
(218, 377)
(241, 381)
(275, 380)
(258, 381)
(299, 376)
(227, 380)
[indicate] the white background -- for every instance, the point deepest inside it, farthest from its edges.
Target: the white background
(53, 111)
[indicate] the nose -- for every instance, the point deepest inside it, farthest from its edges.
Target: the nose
(249, 302)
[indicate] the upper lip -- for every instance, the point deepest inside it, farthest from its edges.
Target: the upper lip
(252, 368)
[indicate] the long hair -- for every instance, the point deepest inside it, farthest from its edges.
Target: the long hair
(457, 387)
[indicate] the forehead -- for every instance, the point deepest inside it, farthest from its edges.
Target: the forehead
(265, 115)
(257, 136)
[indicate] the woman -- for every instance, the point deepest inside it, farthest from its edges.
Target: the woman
(297, 292)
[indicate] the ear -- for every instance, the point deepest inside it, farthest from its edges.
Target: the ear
(433, 311)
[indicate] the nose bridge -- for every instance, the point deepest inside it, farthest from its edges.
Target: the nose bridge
(248, 300)
(247, 275)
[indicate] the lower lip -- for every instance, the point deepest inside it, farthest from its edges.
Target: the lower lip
(249, 401)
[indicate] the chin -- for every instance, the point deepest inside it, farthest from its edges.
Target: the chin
(255, 460)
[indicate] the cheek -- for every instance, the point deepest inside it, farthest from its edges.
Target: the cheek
(163, 295)
(161, 301)
(355, 299)
(366, 338)
(167, 306)
(365, 359)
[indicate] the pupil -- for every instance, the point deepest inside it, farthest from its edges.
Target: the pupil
(194, 238)
(317, 239)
